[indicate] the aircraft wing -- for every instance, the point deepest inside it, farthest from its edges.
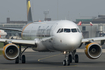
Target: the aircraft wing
(13, 29)
(93, 39)
(24, 42)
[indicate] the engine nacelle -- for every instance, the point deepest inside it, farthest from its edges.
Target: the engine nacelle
(93, 50)
(11, 51)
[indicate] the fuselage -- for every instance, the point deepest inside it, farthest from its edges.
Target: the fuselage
(62, 35)
(2, 34)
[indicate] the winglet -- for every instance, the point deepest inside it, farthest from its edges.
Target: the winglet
(29, 14)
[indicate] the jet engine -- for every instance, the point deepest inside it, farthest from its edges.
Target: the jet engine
(93, 50)
(11, 51)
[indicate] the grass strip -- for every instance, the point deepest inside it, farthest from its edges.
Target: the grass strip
(0, 52)
(1, 45)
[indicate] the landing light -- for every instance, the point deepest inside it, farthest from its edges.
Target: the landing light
(64, 52)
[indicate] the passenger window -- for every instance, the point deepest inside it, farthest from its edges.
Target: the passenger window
(73, 30)
(66, 30)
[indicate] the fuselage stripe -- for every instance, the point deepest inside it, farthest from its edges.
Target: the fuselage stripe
(24, 29)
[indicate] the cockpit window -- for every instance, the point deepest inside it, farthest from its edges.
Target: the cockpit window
(74, 30)
(60, 30)
(78, 30)
(67, 30)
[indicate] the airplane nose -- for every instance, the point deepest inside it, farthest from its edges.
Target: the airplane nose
(74, 41)
(68, 42)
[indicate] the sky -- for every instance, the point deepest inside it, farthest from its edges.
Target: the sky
(58, 9)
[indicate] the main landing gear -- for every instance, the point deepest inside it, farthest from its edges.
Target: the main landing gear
(21, 57)
(69, 56)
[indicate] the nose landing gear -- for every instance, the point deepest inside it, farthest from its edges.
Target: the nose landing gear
(69, 57)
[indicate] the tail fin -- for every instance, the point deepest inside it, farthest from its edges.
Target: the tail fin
(29, 14)
(80, 23)
(91, 24)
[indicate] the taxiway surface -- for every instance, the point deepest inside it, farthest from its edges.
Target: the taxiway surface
(52, 61)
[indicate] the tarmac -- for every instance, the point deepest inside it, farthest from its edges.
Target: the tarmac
(53, 61)
(78, 50)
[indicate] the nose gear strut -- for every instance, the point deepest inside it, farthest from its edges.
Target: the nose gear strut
(69, 57)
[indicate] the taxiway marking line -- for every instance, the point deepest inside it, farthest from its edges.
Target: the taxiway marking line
(48, 57)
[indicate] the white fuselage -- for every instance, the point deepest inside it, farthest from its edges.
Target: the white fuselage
(2, 34)
(61, 35)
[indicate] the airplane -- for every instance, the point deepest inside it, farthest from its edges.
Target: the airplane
(2, 34)
(91, 24)
(51, 36)
(80, 23)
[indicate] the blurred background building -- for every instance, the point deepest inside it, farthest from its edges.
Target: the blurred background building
(97, 30)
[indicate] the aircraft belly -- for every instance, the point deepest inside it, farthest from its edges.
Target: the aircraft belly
(40, 47)
(49, 45)
(63, 47)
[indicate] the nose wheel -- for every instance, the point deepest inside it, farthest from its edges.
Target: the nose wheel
(66, 62)
(69, 57)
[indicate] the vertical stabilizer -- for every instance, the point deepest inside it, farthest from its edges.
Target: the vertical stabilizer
(29, 14)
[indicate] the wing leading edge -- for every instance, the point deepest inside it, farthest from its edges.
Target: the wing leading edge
(12, 29)
(24, 42)
(93, 39)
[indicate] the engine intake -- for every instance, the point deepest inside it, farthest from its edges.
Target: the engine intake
(93, 50)
(11, 51)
